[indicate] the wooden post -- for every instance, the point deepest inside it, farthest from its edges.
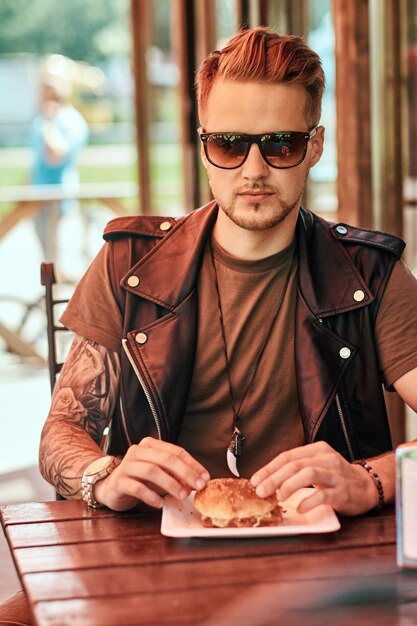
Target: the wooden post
(141, 21)
(206, 41)
(353, 133)
(298, 17)
(186, 54)
(242, 14)
(388, 113)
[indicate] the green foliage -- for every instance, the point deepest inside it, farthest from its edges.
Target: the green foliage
(84, 30)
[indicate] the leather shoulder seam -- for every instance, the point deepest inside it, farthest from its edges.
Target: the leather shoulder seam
(139, 226)
(345, 233)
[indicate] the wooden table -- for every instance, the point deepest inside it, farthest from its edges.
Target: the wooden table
(84, 567)
(28, 200)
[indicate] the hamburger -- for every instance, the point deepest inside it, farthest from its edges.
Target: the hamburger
(233, 503)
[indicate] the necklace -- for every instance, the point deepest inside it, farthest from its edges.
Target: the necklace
(234, 449)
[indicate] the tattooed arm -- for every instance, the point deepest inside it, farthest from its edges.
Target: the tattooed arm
(83, 401)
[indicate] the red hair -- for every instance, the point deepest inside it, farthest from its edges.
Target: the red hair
(261, 54)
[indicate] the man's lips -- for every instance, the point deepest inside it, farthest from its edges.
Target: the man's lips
(255, 194)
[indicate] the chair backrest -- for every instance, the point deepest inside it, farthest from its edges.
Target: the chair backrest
(48, 280)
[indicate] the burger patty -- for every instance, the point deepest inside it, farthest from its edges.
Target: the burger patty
(272, 518)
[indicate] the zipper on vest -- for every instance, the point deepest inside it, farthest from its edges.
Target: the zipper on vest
(122, 411)
(145, 390)
(344, 427)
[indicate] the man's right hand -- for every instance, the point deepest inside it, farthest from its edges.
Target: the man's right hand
(148, 471)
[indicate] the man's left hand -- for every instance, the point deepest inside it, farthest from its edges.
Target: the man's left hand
(347, 487)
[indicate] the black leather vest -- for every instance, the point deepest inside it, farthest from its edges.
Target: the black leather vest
(343, 272)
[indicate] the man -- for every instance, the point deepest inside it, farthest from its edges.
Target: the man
(230, 339)
(248, 337)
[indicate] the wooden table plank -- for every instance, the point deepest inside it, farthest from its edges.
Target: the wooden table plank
(196, 575)
(105, 541)
(260, 604)
(58, 511)
(155, 549)
(82, 530)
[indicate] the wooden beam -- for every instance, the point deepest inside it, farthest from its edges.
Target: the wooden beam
(186, 53)
(298, 17)
(206, 36)
(206, 29)
(141, 26)
(392, 96)
(242, 14)
(389, 140)
(353, 134)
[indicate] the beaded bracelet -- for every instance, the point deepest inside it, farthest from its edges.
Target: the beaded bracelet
(376, 479)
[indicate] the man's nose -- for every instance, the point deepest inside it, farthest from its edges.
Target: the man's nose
(255, 166)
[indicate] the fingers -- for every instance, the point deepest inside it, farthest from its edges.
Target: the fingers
(172, 453)
(315, 465)
(138, 491)
(152, 468)
(271, 477)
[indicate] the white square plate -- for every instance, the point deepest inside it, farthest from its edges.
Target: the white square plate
(180, 519)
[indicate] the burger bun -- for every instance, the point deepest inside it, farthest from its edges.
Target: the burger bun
(233, 503)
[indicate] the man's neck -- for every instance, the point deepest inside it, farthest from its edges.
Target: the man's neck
(253, 245)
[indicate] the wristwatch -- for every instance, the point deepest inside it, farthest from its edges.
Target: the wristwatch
(95, 471)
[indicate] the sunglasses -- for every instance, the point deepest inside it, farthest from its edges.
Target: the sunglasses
(281, 150)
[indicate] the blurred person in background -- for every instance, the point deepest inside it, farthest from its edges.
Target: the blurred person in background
(58, 133)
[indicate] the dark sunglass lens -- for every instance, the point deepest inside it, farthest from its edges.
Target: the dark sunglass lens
(284, 149)
(226, 151)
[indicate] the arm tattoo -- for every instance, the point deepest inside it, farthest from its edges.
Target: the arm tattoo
(83, 402)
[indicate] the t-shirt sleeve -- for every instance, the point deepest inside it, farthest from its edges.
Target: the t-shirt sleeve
(92, 311)
(396, 325)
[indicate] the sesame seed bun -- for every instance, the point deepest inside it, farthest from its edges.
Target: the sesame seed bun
(232, 502)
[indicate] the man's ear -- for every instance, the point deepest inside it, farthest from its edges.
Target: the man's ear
(317, 144)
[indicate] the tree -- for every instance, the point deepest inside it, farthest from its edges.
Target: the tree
(84, 30)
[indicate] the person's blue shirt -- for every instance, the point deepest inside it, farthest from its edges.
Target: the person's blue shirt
(71, 131)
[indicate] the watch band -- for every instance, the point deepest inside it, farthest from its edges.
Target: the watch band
(95, 471)
(88, 495)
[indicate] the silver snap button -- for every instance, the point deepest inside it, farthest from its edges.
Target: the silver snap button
(342, 230)
(141, 338)
(165, 225)
(358, 295)
(344, 353)
(133, 281)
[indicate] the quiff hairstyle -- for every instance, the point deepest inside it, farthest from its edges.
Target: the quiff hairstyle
(261, 54)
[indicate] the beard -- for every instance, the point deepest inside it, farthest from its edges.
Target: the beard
(256, 221)
(260, 217)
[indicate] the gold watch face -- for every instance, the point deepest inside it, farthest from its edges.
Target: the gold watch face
(99, 465)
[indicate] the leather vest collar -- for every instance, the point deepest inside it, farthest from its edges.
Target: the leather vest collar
(168, 273)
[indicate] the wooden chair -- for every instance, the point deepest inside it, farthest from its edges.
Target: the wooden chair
(56, 357)
(55, 362)
(53, 327)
